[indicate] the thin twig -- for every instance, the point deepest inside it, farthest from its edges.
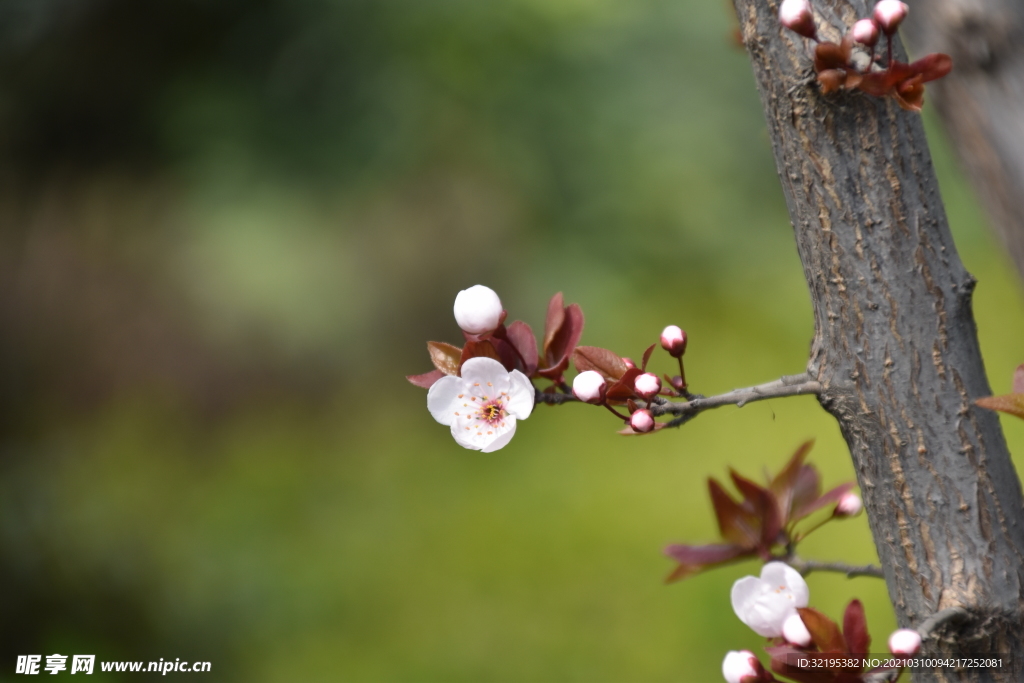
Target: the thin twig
(941, 618)
(791, 385)
(805, 567)
(553, 399)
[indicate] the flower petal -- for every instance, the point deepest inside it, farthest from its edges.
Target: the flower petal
(781, 574)
(442, 398)
(504, 435)
(485, 376)
(520, 396)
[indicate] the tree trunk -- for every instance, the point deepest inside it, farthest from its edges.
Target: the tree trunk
(982, 102)
(895, 346)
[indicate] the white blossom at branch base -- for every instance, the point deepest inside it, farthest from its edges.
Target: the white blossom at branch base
(905, 641)
(849, 505)
(889, 14)
(795, 631)
(737, 665)
(765, 603)
(589, 386)
(482, 405)
(478, 310)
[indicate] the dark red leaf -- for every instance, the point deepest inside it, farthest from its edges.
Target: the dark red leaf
(785, 482)
(829, 498)
(806, 490)
(650, 350)
(829, 56)
(831, 80)
(734, 523)
(855, 628)
(553, 321)
(695, 559)
(557, 354)
(427, 379)
(762, 503)
(623, 388)
(910, 94)
(445, 357)
(824, 632)
(480, 349)
(520, 335)
(606, 362)
(933, 66)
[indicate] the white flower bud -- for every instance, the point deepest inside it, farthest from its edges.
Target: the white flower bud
(589, 387)
(737, 665)
(865, 32)
(629, 362)
(796, 15)
(673, 340)
(849, 505)
(641, 421)
(904, 642)
(889, 14)
(795, 631)
(478, 310)
(647, 386)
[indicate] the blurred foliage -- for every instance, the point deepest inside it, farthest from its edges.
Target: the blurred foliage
(230, 227)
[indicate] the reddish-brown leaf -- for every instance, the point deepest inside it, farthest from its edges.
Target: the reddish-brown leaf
(481, 349)
(764, 507)
(829, 56)
(427, 379)
(520, 335)
(785, 657)
(696, 558)
(734, 523)
(824, 632)
(445, 357)
(828, 498)
(623, 388)
(806, 490)
(647, 357)
(855, 629)
(553, 321)
(606, 362)
(831, 80)
(933, 66)
(910, 94)
(1007, 403)
(783, 485)
(558, 353)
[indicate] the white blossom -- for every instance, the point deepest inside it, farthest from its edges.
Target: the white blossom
(794, 630)
(482, 405)
(904, 642)
(765, 603)
(478, 310)
(673, 340)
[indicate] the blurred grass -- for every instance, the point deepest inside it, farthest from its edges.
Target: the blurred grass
(616, 153)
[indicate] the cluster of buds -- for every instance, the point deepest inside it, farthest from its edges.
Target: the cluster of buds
(841, 67)
(766, 517)
(804, 644)
(609, 380)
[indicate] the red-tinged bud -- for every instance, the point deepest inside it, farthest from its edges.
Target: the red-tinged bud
(904, 642)
(673, 340)
(641, 421)
(889, 14)
(629, 362)
(677, 382)
(740, 665)
(865, 32)
(589, 387)
(795, 631)
(796, 15)
(849, 505)
(647, 386)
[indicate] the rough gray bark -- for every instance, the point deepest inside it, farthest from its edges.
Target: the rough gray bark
(895, 347)
(982, 102)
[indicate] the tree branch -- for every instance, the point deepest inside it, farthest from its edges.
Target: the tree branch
(789, 385)
(805, 567)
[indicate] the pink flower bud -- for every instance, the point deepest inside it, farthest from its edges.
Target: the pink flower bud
(740, 664)
(478, 310)
(647, 386)
(865, 32)
(796, 15)
(641, 421)
(794, 631)
(849, 505)
(673, 340)
(889, 14)
(629, 362)
(589, 387)
(904, 642)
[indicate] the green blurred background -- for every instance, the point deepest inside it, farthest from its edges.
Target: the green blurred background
(230, 226)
